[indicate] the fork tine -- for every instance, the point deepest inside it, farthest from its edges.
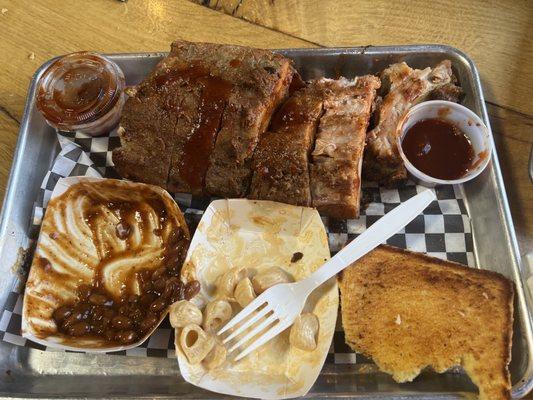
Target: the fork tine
(265, 310)
(243, 313)
(270, 334)
(254, 332)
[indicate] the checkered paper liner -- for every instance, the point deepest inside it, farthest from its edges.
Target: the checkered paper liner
(443, 230)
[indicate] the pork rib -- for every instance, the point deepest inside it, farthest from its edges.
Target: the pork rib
(281, 160)
(404, 87)
(192, 125)
(340, 140)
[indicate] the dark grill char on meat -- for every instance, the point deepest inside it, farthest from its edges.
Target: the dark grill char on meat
(336, 112)
(193, 124)
(403, 87)
(281, 160)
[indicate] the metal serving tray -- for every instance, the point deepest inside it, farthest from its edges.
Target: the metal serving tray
(26, 372)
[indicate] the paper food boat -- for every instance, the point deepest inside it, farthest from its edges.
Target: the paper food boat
(42, 293)
(257, 235)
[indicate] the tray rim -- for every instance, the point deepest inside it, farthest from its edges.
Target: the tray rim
(523, 297)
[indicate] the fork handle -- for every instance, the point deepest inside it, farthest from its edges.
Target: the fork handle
(378, 233)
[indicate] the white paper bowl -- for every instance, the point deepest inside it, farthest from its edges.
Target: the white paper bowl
(256, 235)
(43, 295)
(465, 120)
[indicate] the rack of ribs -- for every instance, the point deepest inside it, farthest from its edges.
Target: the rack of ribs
(403, 87)
(193, 124)
(313, 151)
(219, 120)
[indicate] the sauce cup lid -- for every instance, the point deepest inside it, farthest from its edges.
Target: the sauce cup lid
(466, 120)
(79, 88)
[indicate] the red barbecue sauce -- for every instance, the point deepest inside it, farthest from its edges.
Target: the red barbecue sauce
(438, 148)
(212, 99)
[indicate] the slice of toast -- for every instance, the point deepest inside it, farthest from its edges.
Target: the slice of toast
(408, 311)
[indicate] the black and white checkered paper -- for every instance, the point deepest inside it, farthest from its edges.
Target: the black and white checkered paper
(442, 231)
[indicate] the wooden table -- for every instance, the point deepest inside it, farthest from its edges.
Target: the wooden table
(496, 34)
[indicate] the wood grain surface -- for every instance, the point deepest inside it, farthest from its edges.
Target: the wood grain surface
(496, 34)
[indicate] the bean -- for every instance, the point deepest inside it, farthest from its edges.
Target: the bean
(110, 335)
(191, 289)
(61, 313)
(174, 281)
(79, 329)
(126, 336)
(109, 313)
(147, 299)
(158, 305)
(69, 321)
(136, 315)
(170, 285)
(148, 322)
(121, 322)
(98, 313)
(97, 328)
(176, 296)
(159, 273)
(173, 289)
(159, 285)
(82, 311)
(124, 310)
(98, 299)
(144, 278)
(105, 322)
(175, 236)
(134, 299)
(84, 291)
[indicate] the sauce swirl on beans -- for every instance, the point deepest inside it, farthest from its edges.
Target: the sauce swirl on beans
(124, 311)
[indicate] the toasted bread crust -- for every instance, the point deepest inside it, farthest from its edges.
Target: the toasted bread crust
(408, 311)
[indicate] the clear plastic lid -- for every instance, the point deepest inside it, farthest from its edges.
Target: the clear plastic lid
(79, 88)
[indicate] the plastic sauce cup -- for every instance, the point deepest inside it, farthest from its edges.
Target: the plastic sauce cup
(468, 122)
(82, 92)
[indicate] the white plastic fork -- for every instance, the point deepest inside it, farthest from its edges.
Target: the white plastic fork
(281, 304)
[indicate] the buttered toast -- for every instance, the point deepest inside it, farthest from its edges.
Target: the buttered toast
(408, 311)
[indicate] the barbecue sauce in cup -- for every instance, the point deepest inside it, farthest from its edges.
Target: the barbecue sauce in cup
(438, 148)
(82, 92)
